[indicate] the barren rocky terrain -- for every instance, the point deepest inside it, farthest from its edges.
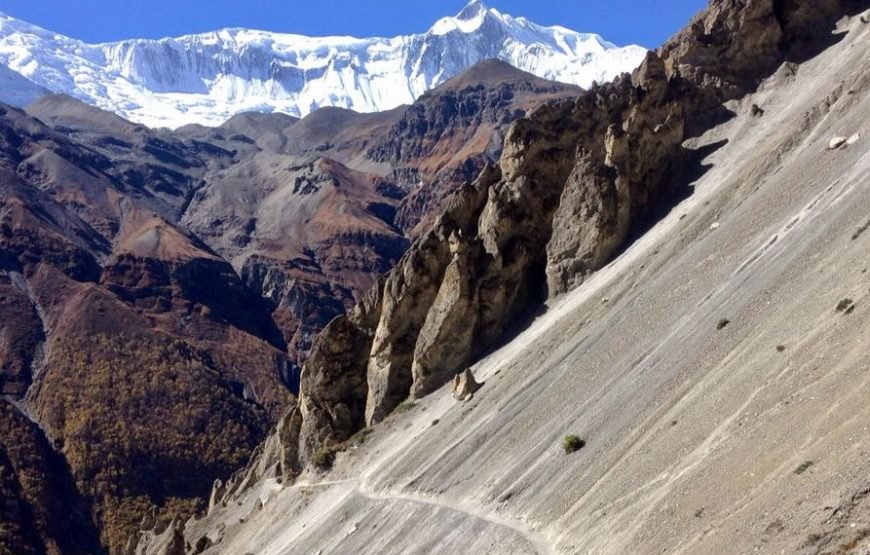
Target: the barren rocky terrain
(514, 317)
(715, 365)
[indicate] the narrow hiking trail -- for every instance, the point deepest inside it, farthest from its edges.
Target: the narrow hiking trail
(536, 542)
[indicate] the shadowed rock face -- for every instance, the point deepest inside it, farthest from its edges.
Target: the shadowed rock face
(42, 511)
(575, 178)
(446, 138)
(21, 334)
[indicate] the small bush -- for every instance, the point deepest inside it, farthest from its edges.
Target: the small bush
(780, 348)
(861, 230)
(572, 443)
(847, 305)
(804, 466)
(722, 323)
(323, 458)
(405, 406)
(358, 438)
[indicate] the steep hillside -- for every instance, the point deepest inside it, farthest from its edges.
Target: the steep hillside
(328, 203)
(114, 319)
(715, 371)
(42, 512)
(160, 289)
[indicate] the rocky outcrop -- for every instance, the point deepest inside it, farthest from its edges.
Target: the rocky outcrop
(446, 138)
(21, 337)
(464, 385)
(463, 283)
(628, 151)
(574, 179)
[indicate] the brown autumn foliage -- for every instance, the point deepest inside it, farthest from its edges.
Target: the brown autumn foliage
(144, 421)
(40, 510)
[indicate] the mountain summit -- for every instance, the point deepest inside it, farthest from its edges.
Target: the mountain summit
(209, 77)
(475, 8)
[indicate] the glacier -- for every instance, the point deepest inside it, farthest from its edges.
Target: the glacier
(207, 78)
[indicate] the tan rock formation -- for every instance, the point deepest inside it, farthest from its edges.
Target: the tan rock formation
(464, 385)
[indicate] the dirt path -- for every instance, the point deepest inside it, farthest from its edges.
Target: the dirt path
(535, 541)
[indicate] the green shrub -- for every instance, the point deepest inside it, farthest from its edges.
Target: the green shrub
(405, 406)
(323, 458)
(722, 323)
(357, 439)
(804, 466)
(847, 305)
(572, 443)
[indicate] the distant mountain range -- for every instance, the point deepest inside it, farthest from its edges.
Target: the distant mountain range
(210, 77)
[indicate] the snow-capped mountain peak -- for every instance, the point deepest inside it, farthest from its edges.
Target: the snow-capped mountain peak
(209, 77)
(473, 9)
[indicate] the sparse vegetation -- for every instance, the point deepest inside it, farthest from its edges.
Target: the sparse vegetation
(852, 544)
(358, 438)
(722, 323)
(405, 406)
(572, 443)
(861, 230)
(846, 306)
(323, 458)
(803, 467)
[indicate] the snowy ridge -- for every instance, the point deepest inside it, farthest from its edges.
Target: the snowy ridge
(16, 89)
(209, 77)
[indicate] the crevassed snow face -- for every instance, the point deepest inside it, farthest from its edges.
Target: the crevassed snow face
(210, 77)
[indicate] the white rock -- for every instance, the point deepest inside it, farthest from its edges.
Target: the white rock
(836, 142)
(853, 139)
(714, 226)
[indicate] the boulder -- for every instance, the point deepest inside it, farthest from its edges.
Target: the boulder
(464, 385)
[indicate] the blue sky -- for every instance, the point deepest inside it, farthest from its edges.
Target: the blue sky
(645, 22)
